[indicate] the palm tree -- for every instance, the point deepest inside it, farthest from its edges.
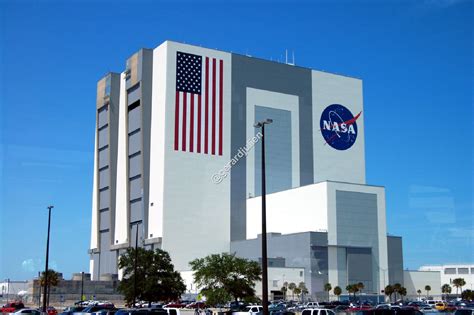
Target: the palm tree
(297, 291)
(458, 283)
(337, 292)
(428, 289)
(389, 291)
(360, 287)
(402, 292)
(292, 287)
(396, 289)
(303, 288)
(446, 289)
(283, 290)
(352, 288)
(327, 287)
(53, 280)
(419, 293)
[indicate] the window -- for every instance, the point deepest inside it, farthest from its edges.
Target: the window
(463, 271)
(306, 312)
(449, 271)
(301, 273)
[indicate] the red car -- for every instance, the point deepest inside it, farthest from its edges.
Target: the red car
(12, 307)
(197, 305)
(175, 305)
(51, 310)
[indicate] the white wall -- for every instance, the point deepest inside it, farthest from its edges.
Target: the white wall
(329, 163)
(196, 211)
(296, 210)
(417, 280)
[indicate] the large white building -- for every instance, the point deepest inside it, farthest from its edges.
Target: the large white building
(172, 133)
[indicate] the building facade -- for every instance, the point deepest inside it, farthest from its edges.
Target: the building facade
(177, 162)
(448, 272)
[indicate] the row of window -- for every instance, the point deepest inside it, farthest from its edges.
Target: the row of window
(460, 271)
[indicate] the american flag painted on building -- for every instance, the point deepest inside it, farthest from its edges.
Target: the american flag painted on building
(198, 125)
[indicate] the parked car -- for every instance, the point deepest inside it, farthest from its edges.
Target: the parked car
(317, 311)
(12, 307)
(254, 309)
(196, 305)
(312, 305)
(27, 311)
(51, 310)
(175, 305)
(72, 309)
(464, 311)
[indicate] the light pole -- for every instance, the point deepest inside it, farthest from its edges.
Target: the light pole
(261, 124)
(47, 260)
(82, 286)
(135, 267)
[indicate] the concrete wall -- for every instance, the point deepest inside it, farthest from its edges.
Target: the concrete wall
(417, 280)
(395, 260)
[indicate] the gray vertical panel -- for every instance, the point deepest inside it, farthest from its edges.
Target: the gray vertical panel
(103, 157)
(134, 143)
(135, 165)
(134, 94)
(107, 258)
(147, 77)
(133, 231)
(359, 267)
(135, 119)
(103, 137)
(104, 217)
(104, 178)
(103, 118)
(271, 76)
(135, 188)
(277, 150)
(395, 259)
(136, 211)
(104, 199)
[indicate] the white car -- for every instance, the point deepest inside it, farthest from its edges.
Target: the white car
(28, 311)
(250, 310)
(317, 311)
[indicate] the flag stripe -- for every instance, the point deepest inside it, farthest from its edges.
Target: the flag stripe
(183, 143)
(206, 116)
(191, 125)
(176, 122)
(199, 125)
(213, 106)
(221, 90)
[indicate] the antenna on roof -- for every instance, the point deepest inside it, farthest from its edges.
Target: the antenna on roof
(294, 58)
(286, 56)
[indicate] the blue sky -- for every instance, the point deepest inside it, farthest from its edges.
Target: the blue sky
(415, 58)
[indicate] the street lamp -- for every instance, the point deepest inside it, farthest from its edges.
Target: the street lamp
(47, 260)
(261, 124)
(135, 267)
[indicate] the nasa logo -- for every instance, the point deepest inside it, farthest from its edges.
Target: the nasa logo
(339, 126)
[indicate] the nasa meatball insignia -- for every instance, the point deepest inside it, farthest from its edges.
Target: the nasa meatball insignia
(339, 126)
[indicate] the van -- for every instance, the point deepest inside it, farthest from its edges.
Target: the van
(317, 311)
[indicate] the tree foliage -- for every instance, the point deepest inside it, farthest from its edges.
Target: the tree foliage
(459, 283)
(225, 276)
(52, 281)
(467, 295)
(337, 291)
(446, 289)
(156, 279)
(427, 289)
(389, 291)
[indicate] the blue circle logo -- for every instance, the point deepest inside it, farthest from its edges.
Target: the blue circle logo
(339, 126)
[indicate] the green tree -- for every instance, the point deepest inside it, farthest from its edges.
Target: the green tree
(156, 279)
(389, 291)
(53, 281)
(467, 295)
(458, 283)
(427, 289)
(337, 291)
(283, 290)
(396, 290)
(402, 292)
(360, 287)
(328, 287)
(225, 276)
(297, 291)
(292, 287)
(419, 293)
(352, 288)
(304, 289)
(445, 289)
